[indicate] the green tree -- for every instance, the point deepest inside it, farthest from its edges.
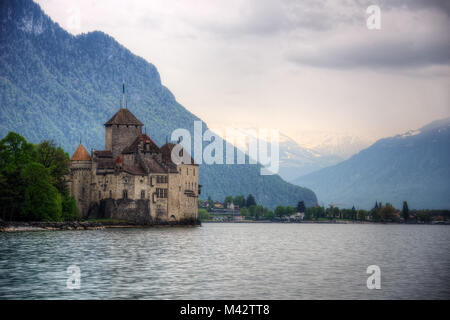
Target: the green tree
(280, 211)
(56, 160)
(239, 201)
(268, 214)
(259, 211)
(70, 211)
(250, 201)
(362, 215)
(387, 212)
(289, 211)
(15, 154)
(244, 212)
(405, 211)
(309, 213)
(42, 199)
(228, 200)
(252, 210)
(203, 215)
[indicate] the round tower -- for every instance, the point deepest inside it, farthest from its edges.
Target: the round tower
(80, 177)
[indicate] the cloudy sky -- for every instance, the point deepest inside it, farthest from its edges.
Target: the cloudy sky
(288, 64)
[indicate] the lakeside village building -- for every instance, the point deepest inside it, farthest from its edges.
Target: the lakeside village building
(133, 179)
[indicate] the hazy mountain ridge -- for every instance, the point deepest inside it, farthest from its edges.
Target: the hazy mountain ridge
(294, 160)
(414, 166)
(63, 87)
(337, 144)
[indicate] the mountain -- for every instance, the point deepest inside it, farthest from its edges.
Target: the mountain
(58, 86)
(336, 144)
(294, 160)
(413, 167)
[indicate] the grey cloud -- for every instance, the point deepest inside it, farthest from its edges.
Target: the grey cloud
(398, 54)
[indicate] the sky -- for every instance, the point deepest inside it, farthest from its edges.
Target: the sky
(295, 66)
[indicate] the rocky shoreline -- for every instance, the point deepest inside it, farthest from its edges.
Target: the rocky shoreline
(10, 226)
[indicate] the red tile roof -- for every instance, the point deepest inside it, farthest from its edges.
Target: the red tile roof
(80, 154)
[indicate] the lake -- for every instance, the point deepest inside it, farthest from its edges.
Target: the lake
(229, 261)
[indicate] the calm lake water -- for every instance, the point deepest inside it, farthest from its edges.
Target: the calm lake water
(229, 261)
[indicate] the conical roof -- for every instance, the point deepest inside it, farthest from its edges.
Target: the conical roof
(80, 154)
(124, 116)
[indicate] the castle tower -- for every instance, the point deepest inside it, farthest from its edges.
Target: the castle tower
(122, 129)
(80, 171)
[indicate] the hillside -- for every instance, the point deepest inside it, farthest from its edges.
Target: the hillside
(414, 166)
(58, 86)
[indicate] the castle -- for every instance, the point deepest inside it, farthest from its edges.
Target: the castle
(133, 179)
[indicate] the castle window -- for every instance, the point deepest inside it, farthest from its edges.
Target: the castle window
(143, 194)
(161, 193)
(125, 194)
(110, 193)
(194, 171)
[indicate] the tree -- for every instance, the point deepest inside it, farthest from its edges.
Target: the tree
(244, 212)
(405, 211)
(56, 160)
(258, 211)
(362, 215)
(280, 211)
(289, 211)
(203, 215)
(210, 203)
(354, 214)
(268, 214)
(228, 200)
(15, 154)
(309, 213)
(301, 206)
(239, 201)
(250, 201)
(252, 210)
(42, 199)
(70, 211)
(387, 212)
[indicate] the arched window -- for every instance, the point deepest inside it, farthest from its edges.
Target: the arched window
(110, 194)
(143, 194)
(125, 194)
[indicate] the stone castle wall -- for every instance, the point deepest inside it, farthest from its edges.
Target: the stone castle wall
(118, 137)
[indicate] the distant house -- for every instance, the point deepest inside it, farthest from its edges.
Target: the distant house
(298, 216)
(218, 205)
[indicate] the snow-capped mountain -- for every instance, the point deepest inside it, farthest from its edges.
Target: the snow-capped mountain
(340, 144)
(413, 166)
(295, 160)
